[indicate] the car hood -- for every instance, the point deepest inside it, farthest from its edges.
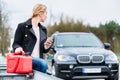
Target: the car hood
(84, 51)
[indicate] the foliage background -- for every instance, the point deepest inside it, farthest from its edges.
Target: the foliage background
(108, 32)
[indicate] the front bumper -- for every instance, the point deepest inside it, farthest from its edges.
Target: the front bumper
(77, 72)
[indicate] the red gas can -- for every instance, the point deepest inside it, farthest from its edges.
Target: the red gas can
(19, 63)
(12, 62)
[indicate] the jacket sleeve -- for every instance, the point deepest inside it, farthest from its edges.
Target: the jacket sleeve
(18, 37)
(46, 50)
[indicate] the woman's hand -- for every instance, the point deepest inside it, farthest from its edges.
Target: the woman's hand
(48, 43)
(19, 50)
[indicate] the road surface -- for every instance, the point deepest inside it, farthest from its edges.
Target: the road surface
(41, 75)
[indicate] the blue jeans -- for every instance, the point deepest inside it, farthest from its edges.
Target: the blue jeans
(39, 64)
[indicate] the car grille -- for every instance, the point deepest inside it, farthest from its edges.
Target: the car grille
(97, 58)
(88, 58)
(83, 58)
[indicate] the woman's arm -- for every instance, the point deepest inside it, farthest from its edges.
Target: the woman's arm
(18, 38)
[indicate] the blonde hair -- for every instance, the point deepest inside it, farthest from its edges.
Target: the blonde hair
(38, 8)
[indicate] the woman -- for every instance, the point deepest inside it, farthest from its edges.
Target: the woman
(31, 37)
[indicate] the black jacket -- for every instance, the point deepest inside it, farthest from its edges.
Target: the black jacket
(25, 37)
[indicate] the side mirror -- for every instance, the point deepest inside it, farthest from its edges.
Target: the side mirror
(107, 45)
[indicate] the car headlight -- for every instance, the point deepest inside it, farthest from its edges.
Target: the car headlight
(65, 58)
(111, 58)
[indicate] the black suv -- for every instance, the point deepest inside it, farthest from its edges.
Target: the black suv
(81, 55)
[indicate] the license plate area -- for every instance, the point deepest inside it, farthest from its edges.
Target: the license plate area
(91, 70)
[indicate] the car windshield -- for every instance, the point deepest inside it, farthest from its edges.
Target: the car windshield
(78, 40)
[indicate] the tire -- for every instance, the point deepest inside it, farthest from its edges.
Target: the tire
(53, 70)
(116, 77)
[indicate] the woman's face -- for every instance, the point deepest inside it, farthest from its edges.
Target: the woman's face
(43, 16)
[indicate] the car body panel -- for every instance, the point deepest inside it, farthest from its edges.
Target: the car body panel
(84, 59)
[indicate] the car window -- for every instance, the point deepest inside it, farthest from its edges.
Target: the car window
(78, 40)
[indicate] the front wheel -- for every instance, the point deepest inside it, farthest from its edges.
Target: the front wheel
(53, 70)
(115, 77)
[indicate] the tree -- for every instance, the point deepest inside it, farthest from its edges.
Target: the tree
(111, 30)
(4, 30)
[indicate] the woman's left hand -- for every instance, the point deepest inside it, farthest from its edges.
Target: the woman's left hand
(48, 43)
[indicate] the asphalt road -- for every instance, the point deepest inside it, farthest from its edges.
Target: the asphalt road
(3, 61)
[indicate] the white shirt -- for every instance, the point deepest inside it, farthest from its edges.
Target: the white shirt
(36, 50)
